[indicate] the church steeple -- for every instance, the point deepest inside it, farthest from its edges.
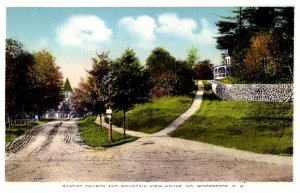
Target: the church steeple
(67, 86)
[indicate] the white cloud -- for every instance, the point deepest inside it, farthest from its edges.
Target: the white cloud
(83, 30)
(143, 27)
(207, 33)
(171, 24)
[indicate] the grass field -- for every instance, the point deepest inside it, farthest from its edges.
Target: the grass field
(231, 80)
(92, 135)
(155, 115)
(261, 127)
(17, 130)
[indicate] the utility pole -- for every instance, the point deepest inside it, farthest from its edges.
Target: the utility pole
(107, 81)
(109, 110)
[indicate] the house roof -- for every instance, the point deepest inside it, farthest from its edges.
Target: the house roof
(67, 87)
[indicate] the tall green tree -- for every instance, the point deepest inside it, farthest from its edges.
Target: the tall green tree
(160, 60)
(19, 88)
(192, 56)
(184, 72)
(98, 84)
(81, 99)
(236, 31)
(203, 70)
(32, 83)
(168, 76)
(128, 83)
(48, 82)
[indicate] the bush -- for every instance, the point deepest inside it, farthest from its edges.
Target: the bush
(203, 70)
(206, 85)
(163, 84)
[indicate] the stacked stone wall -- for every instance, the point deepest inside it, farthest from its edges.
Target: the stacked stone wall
(254, 92)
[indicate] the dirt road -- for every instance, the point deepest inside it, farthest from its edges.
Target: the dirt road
(53, 152)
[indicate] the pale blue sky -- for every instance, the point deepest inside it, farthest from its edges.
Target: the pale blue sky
(74, 35)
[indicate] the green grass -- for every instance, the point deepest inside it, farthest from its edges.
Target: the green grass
(261, 127)
(91, 134)
(155, 115)
(231, 80)
(17, 130)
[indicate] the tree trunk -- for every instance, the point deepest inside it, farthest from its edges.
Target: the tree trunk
(124, 121)
(100, 122)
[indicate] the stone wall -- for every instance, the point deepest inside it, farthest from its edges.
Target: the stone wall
(254, 92)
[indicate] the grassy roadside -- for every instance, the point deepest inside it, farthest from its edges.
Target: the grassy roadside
(260, 127)
(155, 115)
(91, 134)
(230, 80)
(17, 130)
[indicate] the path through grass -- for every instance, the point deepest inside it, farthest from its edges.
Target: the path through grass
(155, 115)
(261, 127)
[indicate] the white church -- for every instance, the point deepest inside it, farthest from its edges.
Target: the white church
(65, 109)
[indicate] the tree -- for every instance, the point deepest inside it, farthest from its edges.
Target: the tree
(77, 98)
(164, 84)
(48, 82)
(263, 59)
(129, 84)
(235, 33)
(168, 76)
(81, 101)
(193, 56)
(33, 81)
(86, 98)
(203, 70)
(185, 83)
(160, 60)
(18, 81)
(232, 30)
(98, 87)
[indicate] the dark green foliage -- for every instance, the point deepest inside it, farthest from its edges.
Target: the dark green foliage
(129, 83)
(67, 87)
(261, 127)
(48, 82)
(96, 87)
(168, 76)
(160, 60)
(203, 70)
(18, 81)
(185, 83)
(32, 82)
(115, 84)
(236, 31)
(93, 136)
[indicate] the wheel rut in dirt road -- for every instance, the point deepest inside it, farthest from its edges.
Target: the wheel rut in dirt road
(68, 135)
(56, 154)
(50, 137)
(23, 140)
